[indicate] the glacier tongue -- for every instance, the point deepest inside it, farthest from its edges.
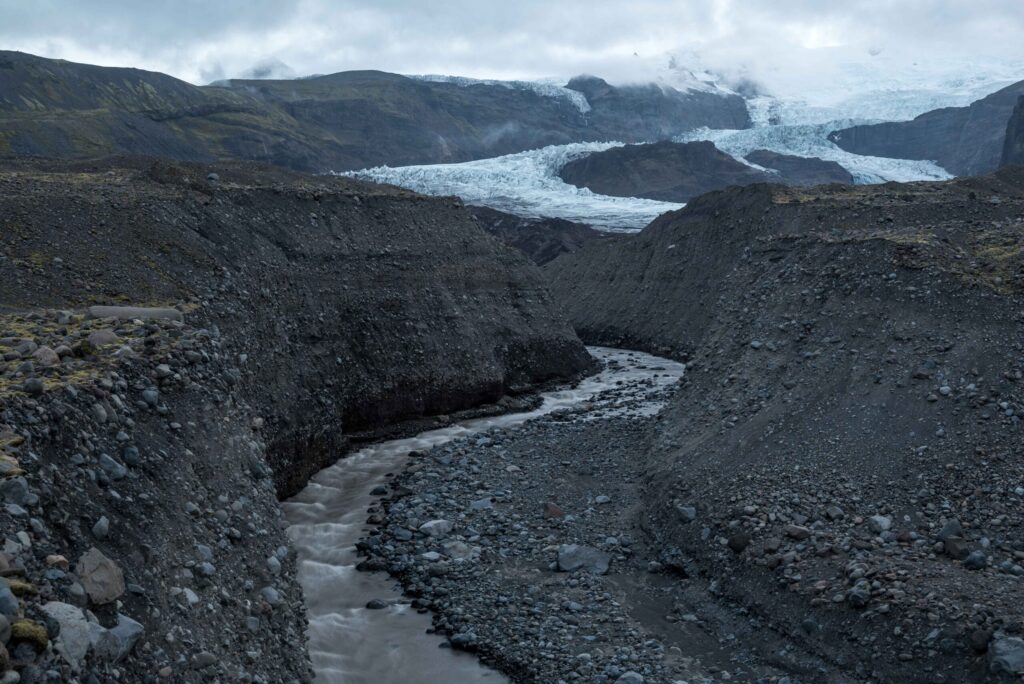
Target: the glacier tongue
(526, 184)
(810, 140)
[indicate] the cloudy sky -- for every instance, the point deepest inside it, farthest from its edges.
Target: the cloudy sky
(782, 43)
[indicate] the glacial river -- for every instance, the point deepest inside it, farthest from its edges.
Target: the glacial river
(351, 644)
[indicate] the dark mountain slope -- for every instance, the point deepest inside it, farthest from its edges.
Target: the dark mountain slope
(36, 84)
(541, 239)
(666, 171)
(1013, 148)
(342, 121)
(651, 112)
(59, 109)
(678, 172)
(849, 429)
(803, 171)
(965, 141)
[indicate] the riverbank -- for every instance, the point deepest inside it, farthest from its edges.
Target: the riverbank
(361, 628)
(523, 543)
(527, 547)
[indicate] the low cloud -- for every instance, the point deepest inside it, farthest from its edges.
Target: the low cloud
(784, 45)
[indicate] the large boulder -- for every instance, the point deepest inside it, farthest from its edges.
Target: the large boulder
(1006, 655)
(101, 577)
(73, 641)
(573, 557)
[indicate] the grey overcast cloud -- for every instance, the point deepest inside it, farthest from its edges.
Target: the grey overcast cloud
(785, 44)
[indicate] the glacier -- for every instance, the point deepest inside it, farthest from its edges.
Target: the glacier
(526, 184)
(794, 121)
(797, 122)
(810, 140)
(883, 89)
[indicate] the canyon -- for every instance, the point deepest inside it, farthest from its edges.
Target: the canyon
(264, 422)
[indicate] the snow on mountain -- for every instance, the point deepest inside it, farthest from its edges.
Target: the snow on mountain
(797, 117)
(882, 89)
(544, 88)
(526, 184)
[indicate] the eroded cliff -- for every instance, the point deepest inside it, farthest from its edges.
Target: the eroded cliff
(142, 459)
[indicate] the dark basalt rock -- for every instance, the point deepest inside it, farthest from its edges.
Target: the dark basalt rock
(1013, 148)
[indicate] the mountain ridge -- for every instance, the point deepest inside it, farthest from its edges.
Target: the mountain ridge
(342, 121)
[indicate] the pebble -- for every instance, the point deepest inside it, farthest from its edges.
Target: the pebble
(976, 560)
(14, 490)
(9, 604)
(481, 504)
(630, 678)
(203, 660)
(102, 528)
(879, 523)
(572, 557)
(113, 469)
(436, 528)
(34, 387)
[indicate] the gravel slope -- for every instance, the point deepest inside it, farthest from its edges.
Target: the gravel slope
(843, 459)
